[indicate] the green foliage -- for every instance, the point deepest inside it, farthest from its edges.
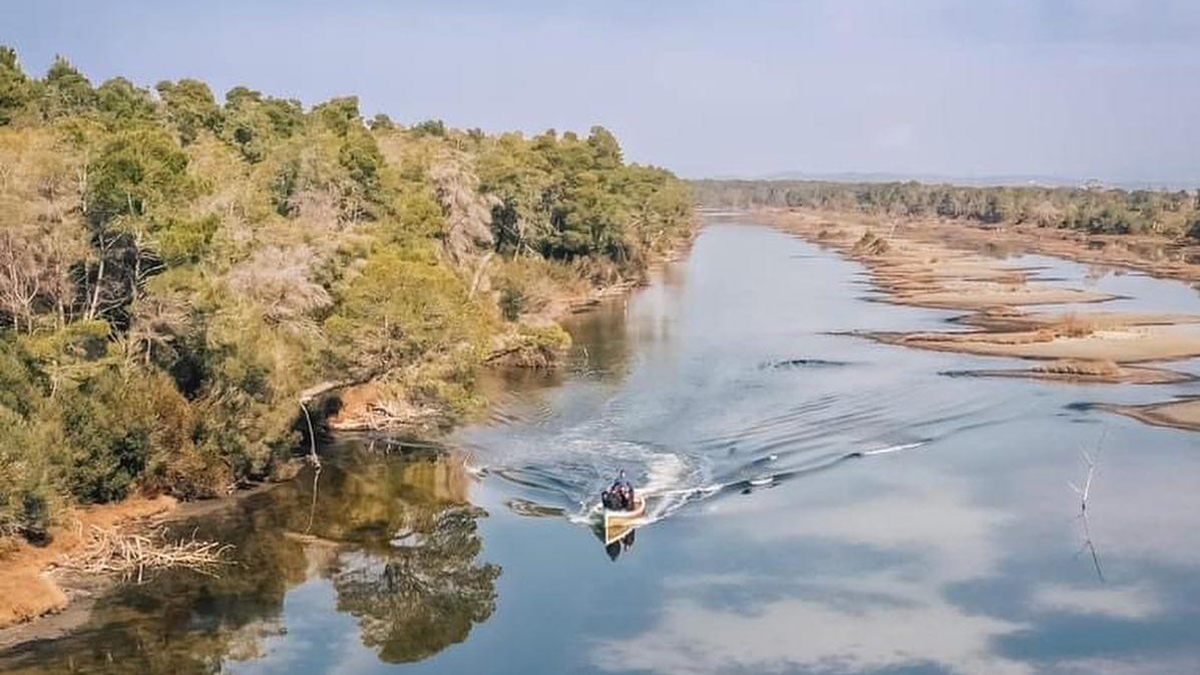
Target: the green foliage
(65, 91)
(20, 389)
(179, 271)
(190, 107)
(26, 490)
(339, 115)
(73, 352)
(16, 91)
(404, 306)
(535, 346)
(254, 123)
(528, 285)
(137, 170)
(606, 149)
(361, 158)
(184, 241)
(381, 122)
(513, 302)
(123, 103)
(108, 438)
(429, 128)
(566, 198)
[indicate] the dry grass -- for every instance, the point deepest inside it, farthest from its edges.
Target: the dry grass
(1076, 325)
(871, 245)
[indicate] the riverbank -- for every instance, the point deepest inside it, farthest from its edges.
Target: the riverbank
(953, 266)
(31, 578)
(40, 600)
(1180, 414)
(535, 340)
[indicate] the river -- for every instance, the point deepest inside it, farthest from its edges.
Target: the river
(818, 503)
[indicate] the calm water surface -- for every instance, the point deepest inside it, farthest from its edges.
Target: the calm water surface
(820, 504)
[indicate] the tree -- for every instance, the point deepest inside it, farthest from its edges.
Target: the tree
(429, 128)
(606, 148)
(123, 103)
(403, 307)
(67, 91)
(339, 115)
(42, 240)
(174, 273)
(254, 123)
(139, 169)
(381, 122)
(190, 107)
(15, 89)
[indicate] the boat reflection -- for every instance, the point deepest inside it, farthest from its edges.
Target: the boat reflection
(617, 540)
(615, 548)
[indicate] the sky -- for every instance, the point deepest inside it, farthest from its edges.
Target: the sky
(1106, 89)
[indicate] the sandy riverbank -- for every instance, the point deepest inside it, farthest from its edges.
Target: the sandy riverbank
(1180, 414)
(30, 576)
(41, 598)
(937, 265)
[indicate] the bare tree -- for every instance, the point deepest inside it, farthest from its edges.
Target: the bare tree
(468, 212)
(279, 280)
(20, 278)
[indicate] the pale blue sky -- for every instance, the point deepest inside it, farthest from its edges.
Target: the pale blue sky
(1077, 88)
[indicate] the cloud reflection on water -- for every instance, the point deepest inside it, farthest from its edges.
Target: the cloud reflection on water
(891, 616)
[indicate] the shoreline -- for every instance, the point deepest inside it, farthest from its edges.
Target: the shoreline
(953, 266)
(357, 401)
(56, 602)
(33, 582)
(1183, 413)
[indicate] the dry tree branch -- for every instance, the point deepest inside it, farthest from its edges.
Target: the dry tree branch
(1091, 463)
(1084, 492)
(110, 551)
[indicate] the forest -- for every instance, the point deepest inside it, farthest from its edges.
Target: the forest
(176, 270)
(1095, 210)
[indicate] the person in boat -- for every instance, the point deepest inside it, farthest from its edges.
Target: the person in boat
(619, 497)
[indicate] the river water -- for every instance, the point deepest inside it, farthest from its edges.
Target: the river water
(818, 503)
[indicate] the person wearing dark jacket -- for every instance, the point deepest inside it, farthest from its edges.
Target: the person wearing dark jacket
(619, 496)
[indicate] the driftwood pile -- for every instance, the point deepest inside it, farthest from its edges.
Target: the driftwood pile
(132, 555)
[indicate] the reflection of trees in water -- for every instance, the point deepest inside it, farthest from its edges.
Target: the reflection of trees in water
(601, 340)
(394, 535)
(411, 578)
(424, 595)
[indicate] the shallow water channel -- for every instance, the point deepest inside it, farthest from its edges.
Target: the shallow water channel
(818, 503)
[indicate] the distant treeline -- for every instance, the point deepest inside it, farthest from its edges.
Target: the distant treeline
(175, 271)
(1095, 210)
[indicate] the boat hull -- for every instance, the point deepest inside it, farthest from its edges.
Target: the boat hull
(619, 523)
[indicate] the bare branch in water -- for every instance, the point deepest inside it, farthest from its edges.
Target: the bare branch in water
(1084, 493)
(110, 551)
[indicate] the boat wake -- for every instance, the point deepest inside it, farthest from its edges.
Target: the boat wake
(669, 481)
